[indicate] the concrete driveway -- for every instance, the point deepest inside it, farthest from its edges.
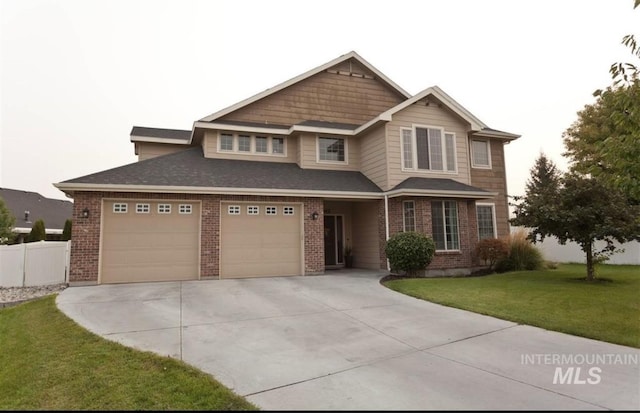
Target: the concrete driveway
(342, 341)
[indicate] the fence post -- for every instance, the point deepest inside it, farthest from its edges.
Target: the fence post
(24, 263)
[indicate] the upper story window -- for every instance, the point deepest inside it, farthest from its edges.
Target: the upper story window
(251, 145)
(428, 149)
(331, 149)
(480, 154)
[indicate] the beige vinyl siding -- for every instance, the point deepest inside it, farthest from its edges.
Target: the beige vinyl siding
(373, 156)
(495, 180)
(325, 96)
(148, 150)
(210, 149)
(366, 244)
(309, 152)
(432, 115)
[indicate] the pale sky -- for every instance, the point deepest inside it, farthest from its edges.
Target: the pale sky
(75, 76)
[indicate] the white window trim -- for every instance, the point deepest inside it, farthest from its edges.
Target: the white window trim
(185, 206)
(414, 150)
(120, 204)
(231, 208)
(473, 161)
(250, 212)
(142, 206)
(164, 212)
(493, 213)
(346, 150)
(444, 221)
(404, 224)
(288, 207)
(267, 208)
(252, 144)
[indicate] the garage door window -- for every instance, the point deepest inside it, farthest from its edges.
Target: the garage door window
(234, 210)
(185, 209)
(271, 210)
(120, 208)
(253, 210)
(142, 208)
(288, 210)
(164, 208)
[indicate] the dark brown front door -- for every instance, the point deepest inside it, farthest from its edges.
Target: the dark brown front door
(333, 240)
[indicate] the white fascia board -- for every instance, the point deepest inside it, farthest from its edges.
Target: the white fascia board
(440, 193)
(301, 77)
(273, 131)
(159, 140)
(495, 134)
(216, 190)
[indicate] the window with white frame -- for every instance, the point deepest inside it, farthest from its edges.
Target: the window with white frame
(444, 223)
(119, 208)
(288, 210)
(185, 209)
(262, 144)
(253, 210)
(233, 209)
(271, 210)
(226, 142)
(143, 208)
(164, 208)
(408, 216)
(331, 149)
(428, 149)
(277, 146)
(485, 214)
(244, 143)
(480, 154)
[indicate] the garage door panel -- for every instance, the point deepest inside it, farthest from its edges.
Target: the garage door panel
(138, 247)
(260, 245)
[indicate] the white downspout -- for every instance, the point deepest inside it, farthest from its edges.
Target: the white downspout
(386, 224)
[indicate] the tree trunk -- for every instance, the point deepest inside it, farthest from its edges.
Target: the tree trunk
(590, 271)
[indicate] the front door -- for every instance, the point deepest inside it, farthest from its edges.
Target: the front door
(333, 240)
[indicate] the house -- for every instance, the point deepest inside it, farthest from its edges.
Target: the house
(282, 182)
(28, 207)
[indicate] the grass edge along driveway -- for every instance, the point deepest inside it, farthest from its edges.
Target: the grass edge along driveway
(559, 300)
(48, 362)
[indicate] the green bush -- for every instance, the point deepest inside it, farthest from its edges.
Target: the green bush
(492, 250)
(38, 232)
(523, 255)
(410, 251)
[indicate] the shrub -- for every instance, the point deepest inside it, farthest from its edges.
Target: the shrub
(38, 232)
(66, 232)
(523, 255)
(492, 250)
(410, 251)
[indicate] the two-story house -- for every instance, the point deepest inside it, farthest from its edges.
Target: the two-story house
(285, 181)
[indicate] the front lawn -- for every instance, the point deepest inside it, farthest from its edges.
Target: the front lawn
(48, 362)
(607, 310)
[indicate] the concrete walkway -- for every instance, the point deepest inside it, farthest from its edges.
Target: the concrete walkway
(343, 341)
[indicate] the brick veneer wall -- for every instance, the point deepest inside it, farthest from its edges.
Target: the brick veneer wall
(85, 244)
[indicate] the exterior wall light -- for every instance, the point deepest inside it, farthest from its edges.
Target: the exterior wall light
(314, 216)
(85, 213)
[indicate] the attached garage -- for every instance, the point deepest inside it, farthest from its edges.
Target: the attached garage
(260, 239)
(150, 241)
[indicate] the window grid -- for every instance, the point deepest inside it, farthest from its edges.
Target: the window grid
(407, 148)
(226, 142)
(486, 228)
(271, 210)
(262, 144)
(409, 216)
(331, 149)
(185, 209)
(233, 209)
(277, 145)
(143, 208)
(288, 210)
(244, 143)
(444, 223)
(120, 208)
(253, 210)
(164, 208)
(480, 154)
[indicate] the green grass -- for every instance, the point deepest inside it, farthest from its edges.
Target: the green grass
(559, 300)
(48, 362)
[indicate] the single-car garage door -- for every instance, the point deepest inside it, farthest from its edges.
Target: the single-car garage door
(150, 241)
(260, 240)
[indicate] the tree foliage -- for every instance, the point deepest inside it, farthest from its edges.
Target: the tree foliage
(625, 73)
(7, 222)
(605, 140)
(66, 232)
(580, 209)
(38, 232)
(410, 251)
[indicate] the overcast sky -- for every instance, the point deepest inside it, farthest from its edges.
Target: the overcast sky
(75, 76)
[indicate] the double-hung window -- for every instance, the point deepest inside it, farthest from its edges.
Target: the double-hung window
(428, 149)
(480, 154)
(485, 214)
(444, 223)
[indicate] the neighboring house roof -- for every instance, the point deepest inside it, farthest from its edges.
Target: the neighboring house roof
(306, 75)
(143, 134)
(54, 212)
(189, 171)
(438, 186)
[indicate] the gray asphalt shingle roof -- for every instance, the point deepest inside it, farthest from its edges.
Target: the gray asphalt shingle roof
(54, 212)
(191, 168)
(161, 133)
(436, 184)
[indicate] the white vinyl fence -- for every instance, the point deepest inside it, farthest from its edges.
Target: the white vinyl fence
(34, 263)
